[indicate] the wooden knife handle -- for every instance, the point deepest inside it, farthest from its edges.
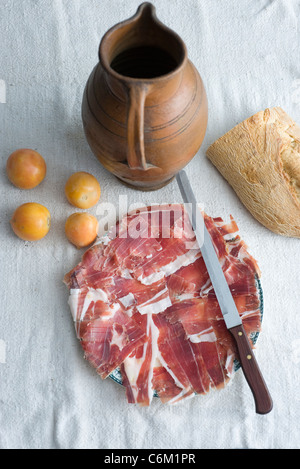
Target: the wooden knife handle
(263, 400)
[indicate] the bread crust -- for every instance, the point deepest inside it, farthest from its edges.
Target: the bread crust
(260, 159)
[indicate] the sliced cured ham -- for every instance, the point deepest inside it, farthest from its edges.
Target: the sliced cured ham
(143, 303)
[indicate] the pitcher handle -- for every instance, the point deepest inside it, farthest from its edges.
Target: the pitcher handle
(136, 97)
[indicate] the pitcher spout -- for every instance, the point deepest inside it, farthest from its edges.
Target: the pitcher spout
(142, 48)
(146, 10)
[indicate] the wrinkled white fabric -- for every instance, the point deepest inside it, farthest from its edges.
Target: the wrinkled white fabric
(248, 56)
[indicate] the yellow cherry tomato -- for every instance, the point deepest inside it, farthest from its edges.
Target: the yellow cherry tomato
(31, 221)
(26, 168)
(82, 190)
(81, 229)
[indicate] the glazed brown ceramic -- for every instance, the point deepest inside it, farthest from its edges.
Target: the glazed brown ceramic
(144, 107)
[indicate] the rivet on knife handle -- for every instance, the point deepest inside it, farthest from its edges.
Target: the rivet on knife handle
(262, 398)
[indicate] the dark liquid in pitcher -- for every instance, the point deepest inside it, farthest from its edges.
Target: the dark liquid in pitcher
(144, 62)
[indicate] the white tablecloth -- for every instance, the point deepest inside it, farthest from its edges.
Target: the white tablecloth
(248, 55)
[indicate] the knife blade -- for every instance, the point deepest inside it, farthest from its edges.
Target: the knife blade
(253, 375)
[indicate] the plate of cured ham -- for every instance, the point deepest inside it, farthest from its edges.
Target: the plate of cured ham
(145, 311)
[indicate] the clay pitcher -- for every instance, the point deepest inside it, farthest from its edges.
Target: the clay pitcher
(144, 107)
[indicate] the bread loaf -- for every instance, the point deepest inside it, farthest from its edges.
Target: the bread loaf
(260, 158)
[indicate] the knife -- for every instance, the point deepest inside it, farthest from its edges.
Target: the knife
(262, 398)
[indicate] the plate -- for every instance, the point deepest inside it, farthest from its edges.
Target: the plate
(143, 262)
